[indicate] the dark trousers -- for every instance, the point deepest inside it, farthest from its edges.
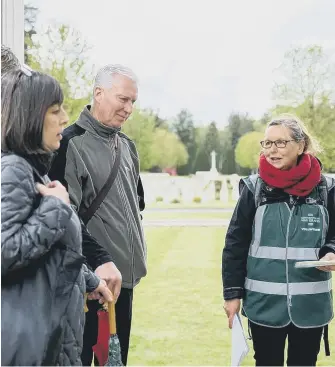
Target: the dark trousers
(269, 345)
(123, 312)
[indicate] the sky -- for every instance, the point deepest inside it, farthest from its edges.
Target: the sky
(211, 57)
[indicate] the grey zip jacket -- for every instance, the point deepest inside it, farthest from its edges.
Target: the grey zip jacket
(83, 164)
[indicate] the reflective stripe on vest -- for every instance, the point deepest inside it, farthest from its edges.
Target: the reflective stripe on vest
(258, 222)
(293, 288)
(276, 293)
(279, 253)
(282, 253)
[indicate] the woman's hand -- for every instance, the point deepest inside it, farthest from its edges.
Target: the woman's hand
(328, 257)
(54, 188)
(232, 307)
(101, 293)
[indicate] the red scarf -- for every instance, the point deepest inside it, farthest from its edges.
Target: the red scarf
(300, 180)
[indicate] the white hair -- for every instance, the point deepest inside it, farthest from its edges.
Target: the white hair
(104, 77)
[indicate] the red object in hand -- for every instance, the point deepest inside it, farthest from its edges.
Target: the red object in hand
(101, 348)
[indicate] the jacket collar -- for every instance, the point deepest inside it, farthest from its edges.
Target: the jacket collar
(41, 162)
(92, 125)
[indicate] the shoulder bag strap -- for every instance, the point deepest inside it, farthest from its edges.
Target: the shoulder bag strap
(87, 214)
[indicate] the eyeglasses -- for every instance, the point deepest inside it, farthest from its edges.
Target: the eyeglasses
(267, 144)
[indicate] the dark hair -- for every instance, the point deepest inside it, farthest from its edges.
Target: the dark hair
(24, 103)
(8, 60)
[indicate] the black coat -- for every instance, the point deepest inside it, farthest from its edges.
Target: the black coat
(43, 275)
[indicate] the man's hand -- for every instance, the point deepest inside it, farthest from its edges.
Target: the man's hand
(328, 257)
(101, 293)
(232, 307)
(110, 273)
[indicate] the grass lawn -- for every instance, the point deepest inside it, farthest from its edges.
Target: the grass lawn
(210, 204)
(178, 316)
(197, 215)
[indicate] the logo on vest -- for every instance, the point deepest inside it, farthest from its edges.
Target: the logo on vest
(310, 220)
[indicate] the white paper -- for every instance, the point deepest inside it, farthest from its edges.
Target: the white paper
(314, 264)
(239, 346)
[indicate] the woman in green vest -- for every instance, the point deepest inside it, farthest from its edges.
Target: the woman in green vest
(285, 214)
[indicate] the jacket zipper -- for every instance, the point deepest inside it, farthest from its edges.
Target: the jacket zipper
(111, 143)
(293, 202)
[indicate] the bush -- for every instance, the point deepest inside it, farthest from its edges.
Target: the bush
(159, 199)
(197, 200)
(175, 201)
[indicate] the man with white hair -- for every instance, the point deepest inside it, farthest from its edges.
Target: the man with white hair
(100, 167)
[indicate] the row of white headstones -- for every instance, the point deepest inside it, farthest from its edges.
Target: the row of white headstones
(161, 187)
(199, 188)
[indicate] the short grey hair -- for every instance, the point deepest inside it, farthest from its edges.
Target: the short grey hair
(299, 132)
(104, 77)
(9, 61)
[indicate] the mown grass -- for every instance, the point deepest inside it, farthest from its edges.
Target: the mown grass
(161, 215)
(178, 318)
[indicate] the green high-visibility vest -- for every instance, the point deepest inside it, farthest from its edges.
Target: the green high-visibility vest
(277, 293)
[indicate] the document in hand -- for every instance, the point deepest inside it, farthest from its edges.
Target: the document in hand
(239, 346)
(314, 264)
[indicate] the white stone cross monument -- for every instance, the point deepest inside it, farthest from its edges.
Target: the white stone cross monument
(213, 163)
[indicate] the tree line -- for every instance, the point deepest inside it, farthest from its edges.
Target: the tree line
(306, 89)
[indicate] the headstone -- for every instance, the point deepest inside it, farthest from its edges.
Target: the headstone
(224, 191)
(234, 180)
(208, 193)
(188, 190)
(171, 191)
(154, 185)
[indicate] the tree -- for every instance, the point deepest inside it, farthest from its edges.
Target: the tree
(159, 122)
(183, 126)
(238, 125)
(157, 147)
(212, 140)
(321, 125)
(200, 160)
(227, 164)
(30, 15)
(248, 149)
(307, 89)
(62, 53)
(306, 75)
(260, 125)
(169, 151)
(140, 127)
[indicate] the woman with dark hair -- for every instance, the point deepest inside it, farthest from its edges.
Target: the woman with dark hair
(43, 275)
(285, 215)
